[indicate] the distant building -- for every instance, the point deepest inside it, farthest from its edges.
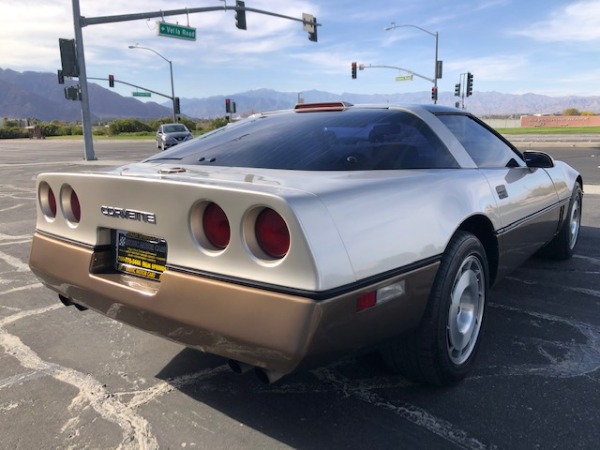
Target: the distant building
(559, 121)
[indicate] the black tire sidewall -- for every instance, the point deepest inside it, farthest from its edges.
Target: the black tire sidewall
(462, 246)
(576, 197)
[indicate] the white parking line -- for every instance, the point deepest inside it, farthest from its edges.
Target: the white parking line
(14, 262)
(591, 189)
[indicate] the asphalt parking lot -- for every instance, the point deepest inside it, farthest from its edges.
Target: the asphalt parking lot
(78, 380)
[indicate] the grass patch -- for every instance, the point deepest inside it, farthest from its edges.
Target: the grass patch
(137, 136)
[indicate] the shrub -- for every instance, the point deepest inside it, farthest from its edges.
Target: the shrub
(13, 133)
(127, 126)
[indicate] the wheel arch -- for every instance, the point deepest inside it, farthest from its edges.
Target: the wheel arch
(481, 227)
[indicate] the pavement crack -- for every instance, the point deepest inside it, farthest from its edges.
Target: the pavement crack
(580, 359)
(440, 427)
(136, 430)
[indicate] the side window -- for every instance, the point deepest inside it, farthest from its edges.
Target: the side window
(486, 149)
(406, 142)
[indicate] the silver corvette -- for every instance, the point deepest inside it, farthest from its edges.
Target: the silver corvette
(290, 238)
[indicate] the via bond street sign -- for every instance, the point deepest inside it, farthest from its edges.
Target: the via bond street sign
(141, 94)
(404, 78)
(176, 31)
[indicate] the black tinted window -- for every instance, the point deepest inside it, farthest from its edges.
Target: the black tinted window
(355, 139)
(485, 148)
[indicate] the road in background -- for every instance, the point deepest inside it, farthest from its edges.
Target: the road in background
(71, 379)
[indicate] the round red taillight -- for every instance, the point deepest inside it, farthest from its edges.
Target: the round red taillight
(47, 201)
(272, 233)
(75, 207)
(51, 203)
(216, 226)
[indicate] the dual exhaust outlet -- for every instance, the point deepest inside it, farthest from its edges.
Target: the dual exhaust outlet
(263, 375)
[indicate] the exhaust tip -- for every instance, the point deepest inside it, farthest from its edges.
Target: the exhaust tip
(67, 302)
(238, 367)
(64, 300)
(267, 377)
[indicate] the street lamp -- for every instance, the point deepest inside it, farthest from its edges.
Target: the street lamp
(170, 69)
(435, 35)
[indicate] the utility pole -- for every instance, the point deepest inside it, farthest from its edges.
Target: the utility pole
(86, 121)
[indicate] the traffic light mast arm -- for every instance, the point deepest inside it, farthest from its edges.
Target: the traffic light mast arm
(85, 21)
(371, 66)
(133, 85)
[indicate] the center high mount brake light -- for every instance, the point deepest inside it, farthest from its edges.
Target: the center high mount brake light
(324, 106)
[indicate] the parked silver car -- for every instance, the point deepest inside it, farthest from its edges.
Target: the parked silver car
(170, 134)
(289, 238)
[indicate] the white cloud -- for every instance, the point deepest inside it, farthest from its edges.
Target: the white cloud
(492, 68)
(31, 29)
(577, 22)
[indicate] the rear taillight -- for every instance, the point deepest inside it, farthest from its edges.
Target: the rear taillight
(47, 200)
(272, 234)
(52, 202)
(75, 207)
(70, 205)
(216, 226)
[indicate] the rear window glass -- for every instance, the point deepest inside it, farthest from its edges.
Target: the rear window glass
(355, 139)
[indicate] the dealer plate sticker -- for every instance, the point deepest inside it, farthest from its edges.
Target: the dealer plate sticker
(141, 255)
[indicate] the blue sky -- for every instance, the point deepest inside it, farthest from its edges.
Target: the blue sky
(548, 47)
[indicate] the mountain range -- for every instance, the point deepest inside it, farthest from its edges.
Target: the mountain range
(38, 94)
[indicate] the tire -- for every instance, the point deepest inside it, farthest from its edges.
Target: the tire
(563, 245)
(443, 349)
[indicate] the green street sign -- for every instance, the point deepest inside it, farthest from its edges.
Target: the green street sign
(176, 31)
(404, 78)
(141, 94)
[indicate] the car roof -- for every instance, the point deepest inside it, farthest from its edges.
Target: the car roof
(342, 105)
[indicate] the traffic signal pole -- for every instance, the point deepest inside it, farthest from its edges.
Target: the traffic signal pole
(79, 22)
(437, 66)
(86, 121)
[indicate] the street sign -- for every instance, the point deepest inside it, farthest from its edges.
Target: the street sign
(404, 78)
(141, 94)
(176, 31)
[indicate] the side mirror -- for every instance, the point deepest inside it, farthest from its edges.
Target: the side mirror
(538, 160)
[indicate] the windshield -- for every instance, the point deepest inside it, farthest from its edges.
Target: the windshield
(174, 129)
(355, 139)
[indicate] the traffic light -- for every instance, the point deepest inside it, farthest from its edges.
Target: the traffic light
(312, 30)
(68, 57)
(111, 81)
(434, 93)
(61, 77)
(177, 106)
(457, 90)
(72, 93)
(354, 70)
(227, 106)
(469, 84)
(234, 108)
(240, 15)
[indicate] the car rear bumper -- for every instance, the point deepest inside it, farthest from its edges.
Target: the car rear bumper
(268, 329)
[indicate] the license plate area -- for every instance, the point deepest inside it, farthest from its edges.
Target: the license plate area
(140, 255)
